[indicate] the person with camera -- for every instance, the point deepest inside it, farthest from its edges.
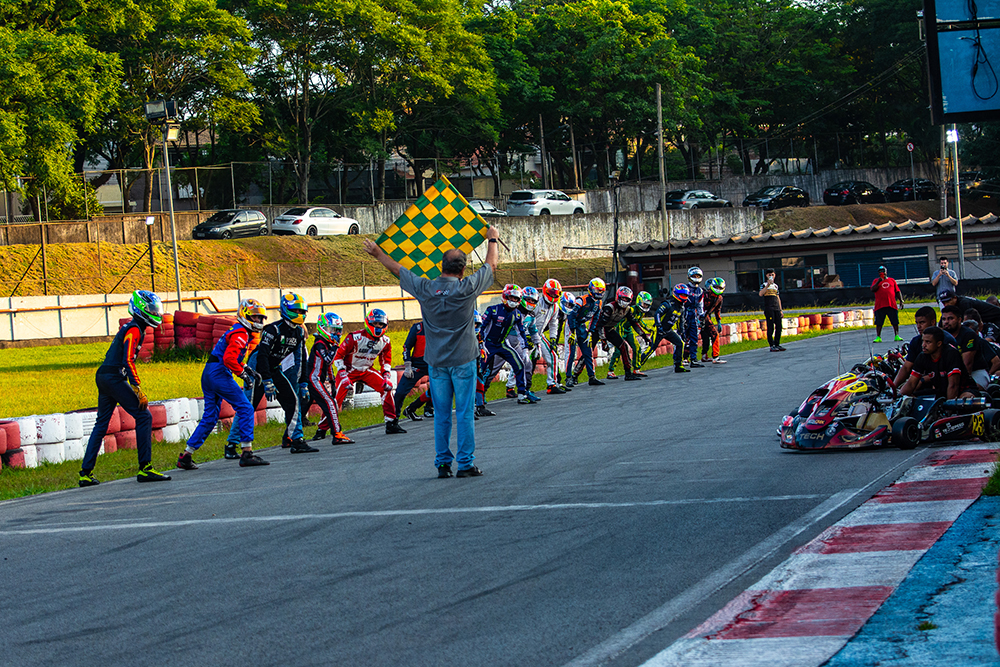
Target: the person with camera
(772, 310)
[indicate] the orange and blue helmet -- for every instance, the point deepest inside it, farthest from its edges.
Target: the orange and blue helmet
(376, 322)
(330, 327)
(529, 299)
(551, 291)
(250, 308)
(293, 308)
(682, 292)
(567, 302)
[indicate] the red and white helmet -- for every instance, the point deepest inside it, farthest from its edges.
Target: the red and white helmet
(551, 291)
(511, 296)
(623, 296)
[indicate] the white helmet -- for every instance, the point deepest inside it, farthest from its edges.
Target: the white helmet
(695, 275)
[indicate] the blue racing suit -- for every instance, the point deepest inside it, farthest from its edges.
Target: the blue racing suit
(526, 347)
(670, 312)
(578, 333)
(217, 383)
(499, 322)
(694, 310)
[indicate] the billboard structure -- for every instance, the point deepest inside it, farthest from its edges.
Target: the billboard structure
(963, 50)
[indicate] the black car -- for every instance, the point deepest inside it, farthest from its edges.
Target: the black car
(777, 196)
(905, 190)
(231, 223)
(853, 192)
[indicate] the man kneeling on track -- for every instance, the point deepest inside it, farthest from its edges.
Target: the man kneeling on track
(355, 361)
(217, 383)
(604, 328)
(938, 370)
(319, 370)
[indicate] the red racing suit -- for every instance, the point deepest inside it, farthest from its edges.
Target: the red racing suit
(354, 362)
(319, 369)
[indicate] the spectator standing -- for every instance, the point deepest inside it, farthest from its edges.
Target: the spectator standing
(887, 296)
(944, 280)
(772, 310)
(450, 347)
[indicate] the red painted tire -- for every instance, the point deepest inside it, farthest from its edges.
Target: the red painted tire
(259, 417)
(13, 458)
(159, 413)
(226, 422)
(3, 442)
(125, 440)
(185, 318)
(187, 342)
(127, 420)
(110, 444)
(12, 434)
(226, 411)
(115, 424)
(157, 435)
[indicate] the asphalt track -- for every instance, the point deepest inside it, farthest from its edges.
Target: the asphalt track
(609, 522)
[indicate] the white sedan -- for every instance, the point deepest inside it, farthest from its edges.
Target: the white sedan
(314, 221)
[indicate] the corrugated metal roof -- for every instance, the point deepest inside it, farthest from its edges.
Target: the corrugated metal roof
(767, 237)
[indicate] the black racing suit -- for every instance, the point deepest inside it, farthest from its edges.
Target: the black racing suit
(413, 354)
(670, 312)
(278, 340)
(605, 327)
(318, 372)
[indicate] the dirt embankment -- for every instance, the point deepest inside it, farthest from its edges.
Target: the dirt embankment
(820, 217)
(279, 261)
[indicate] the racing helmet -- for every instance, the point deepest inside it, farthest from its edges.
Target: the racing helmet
(551, 291)
(597, 288)
(330, 327)
(477, 320)
(644, 300)
(567, 302)
(682, 292)
(511, 295)
(293, 308)
(623, 296)
(251, 308)
(695, 275)
(529, 299)
(146, 307)
(717, 285)
(376, 322)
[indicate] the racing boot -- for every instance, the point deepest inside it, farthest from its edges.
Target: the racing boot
(428, 411)
(511, 392)
(631, 376)
(411, 412)
(611, 376)
(565, 388)
(718, 360)
(147, 474)
(639, 373)
(286, 442)
(300, 446)
(483, 411)
(340, 439)
(392, 427)
(679, 368)
(695, 364)
(87, 478)
(527, 399)
(184, 461)
(320, 435)
(230, 452)
(532, 396)
(554, 389)
(569, 383)
(594, 382)
(249, 459)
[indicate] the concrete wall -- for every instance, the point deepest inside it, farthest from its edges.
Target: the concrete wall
(49, 317)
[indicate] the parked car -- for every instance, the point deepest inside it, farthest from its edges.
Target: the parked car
(231, 223)
(688, 199)
(910, 189)
(853, 192)
(777, 196)
(969, 181)
(486, 209)
(314, 221)
(543, 202)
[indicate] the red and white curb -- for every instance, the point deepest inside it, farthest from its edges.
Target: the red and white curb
(806, 609)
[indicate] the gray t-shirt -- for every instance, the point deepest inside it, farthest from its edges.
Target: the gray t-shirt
(944, 284)
(447, 304)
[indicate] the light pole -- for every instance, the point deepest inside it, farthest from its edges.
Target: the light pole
(953, 140)
(152, 266)
(164, 113)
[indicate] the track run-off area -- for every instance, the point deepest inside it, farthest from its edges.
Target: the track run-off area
(609, 522)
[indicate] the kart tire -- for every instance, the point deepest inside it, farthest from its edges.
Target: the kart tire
(906, 433)
(992, 425)
(993, 391)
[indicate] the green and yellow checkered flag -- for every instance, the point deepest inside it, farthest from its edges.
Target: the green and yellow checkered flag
(437, 222)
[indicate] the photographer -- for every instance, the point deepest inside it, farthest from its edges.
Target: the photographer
(772, 310)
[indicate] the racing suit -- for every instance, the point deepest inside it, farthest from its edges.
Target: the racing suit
(578, 326)
(527, 348)
(628, 334)
(481, 370)
(709, 333)
(279, 358)
(605, 329)
(319, 369)
(670, 312)
(693, 312)
(413, 356)
(499, 324)
(547, 322)
(217, 383)
(355, 361)
(118, 384)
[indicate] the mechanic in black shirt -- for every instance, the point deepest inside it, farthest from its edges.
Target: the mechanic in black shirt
(979, 358)
(988, 330)
(923, 318)
(989, 312)
(938, 370)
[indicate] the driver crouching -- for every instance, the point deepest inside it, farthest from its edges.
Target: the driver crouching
(938, 370)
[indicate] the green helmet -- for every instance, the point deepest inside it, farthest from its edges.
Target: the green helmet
(146, 307)
(717, 285)
(644, 300)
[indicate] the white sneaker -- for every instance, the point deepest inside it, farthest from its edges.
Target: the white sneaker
(717, 360)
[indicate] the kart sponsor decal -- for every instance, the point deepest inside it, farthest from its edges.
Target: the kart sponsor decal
(857, 387)
(978, 424)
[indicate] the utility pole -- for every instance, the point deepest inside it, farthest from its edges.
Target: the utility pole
(541, 134)
(572, 147)
(665, 219)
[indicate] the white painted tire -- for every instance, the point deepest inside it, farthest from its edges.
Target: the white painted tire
(186, 428)
(30, 455)
(275, 415)
(29, 432)
(185, 410)
(367, 399)
(74, 426)
(75, 449)
(50, 429)
(198, 408)
(172, 433)
(273, 404)
(51, 452)
(173, 409)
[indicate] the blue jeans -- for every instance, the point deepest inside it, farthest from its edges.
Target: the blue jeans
(458, 382)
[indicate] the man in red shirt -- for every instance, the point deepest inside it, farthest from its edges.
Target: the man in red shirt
(887, 294)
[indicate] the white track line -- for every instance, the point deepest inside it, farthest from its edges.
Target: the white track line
(389, 513)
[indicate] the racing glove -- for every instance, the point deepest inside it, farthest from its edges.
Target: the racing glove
(572, 339)
(304, 391)
(270, 391)
(250, 376)
(141, 395)
(408, 369)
